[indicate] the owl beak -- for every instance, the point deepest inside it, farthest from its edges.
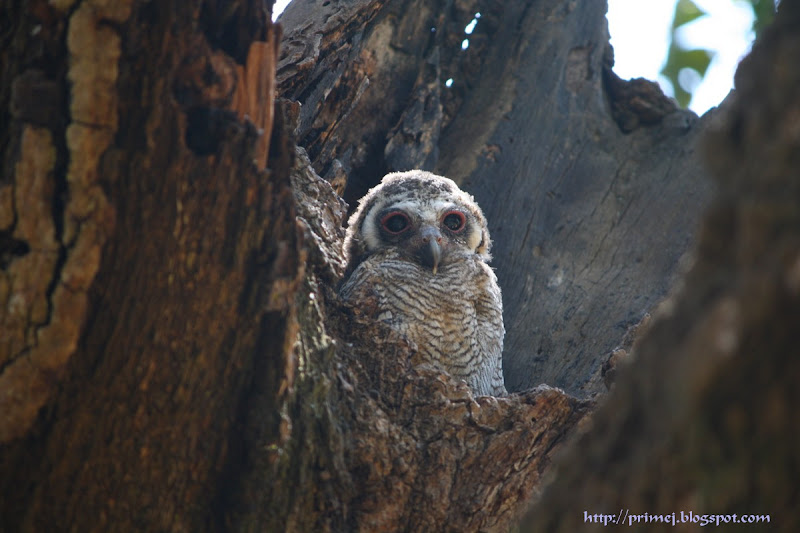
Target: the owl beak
(431, 249)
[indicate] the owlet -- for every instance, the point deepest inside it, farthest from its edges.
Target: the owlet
(419, 246)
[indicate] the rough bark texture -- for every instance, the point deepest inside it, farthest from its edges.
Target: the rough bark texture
(366, 441)
(139, 242)
(705, 419)
(173, 356)
(592, 186)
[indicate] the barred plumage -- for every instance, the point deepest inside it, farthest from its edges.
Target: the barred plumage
(419, 246)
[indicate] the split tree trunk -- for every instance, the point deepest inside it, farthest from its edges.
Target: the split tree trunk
(592, 186)
(172, 352)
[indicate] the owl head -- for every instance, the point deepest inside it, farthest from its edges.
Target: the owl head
(425, 217)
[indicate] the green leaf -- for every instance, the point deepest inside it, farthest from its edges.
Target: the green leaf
(763, 13)
(680, 58)
(685, 12)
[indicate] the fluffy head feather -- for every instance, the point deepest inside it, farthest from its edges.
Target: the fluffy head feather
(425, 197)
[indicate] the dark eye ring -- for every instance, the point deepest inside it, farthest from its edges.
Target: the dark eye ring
(395, 222)
(454, 221)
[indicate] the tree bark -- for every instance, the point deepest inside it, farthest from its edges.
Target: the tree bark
(705, 419)
(592, 186)
(146, 259)
(173, 354)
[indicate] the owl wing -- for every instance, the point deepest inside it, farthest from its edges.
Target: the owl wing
(489, 310)
(359, 288)
(368, 288)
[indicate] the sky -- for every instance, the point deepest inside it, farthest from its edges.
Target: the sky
(278, 8)
(640, 35)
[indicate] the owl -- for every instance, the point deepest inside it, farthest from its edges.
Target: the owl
(419, 246)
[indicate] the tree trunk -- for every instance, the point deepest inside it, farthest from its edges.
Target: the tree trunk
(592, 186)
(173, 355)
(702, 427)
(147, 258)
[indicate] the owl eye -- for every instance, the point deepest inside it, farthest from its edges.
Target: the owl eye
(395, 222)
(454, 221)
